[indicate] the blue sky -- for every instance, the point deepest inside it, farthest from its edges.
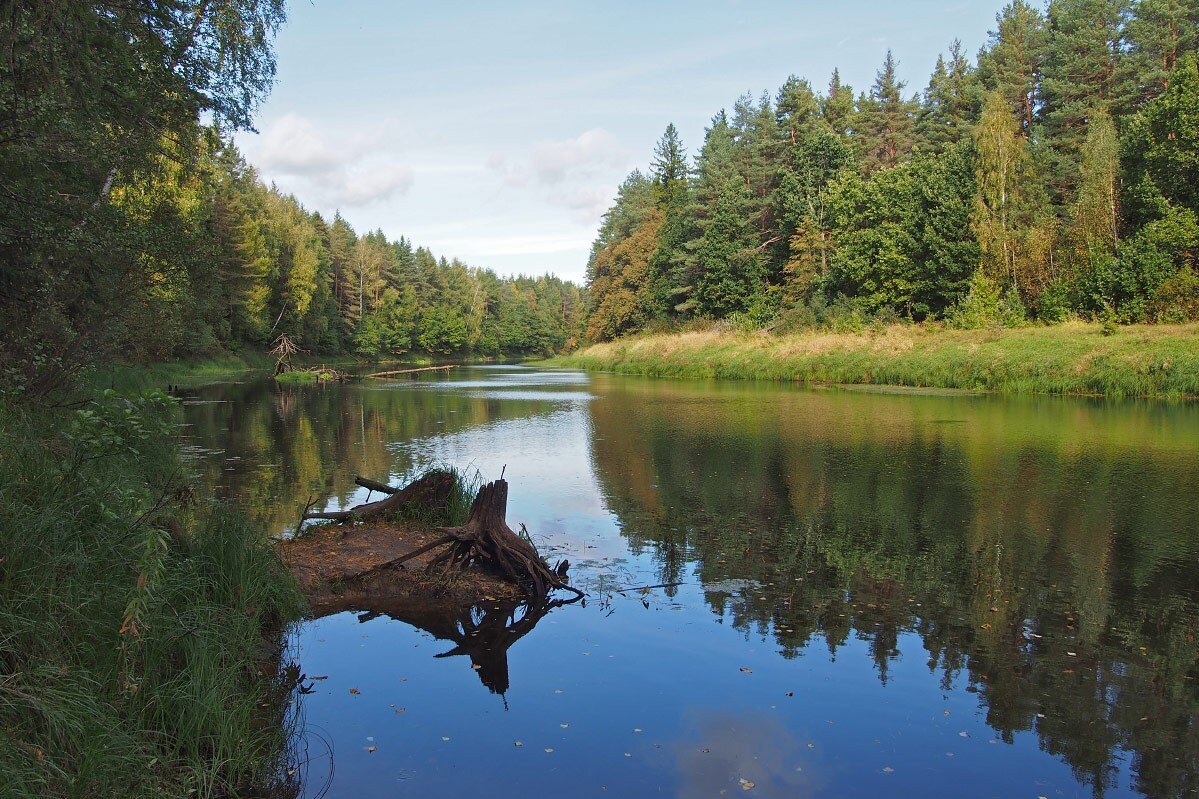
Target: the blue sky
(498, 132)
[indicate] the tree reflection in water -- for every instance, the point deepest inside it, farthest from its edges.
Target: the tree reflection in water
(484, 633)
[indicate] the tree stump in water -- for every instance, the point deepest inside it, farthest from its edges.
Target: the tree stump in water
(486, 539)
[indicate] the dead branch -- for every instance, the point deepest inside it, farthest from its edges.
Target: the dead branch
(374, 485)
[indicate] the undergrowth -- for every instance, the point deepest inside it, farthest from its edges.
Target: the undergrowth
(136, 623)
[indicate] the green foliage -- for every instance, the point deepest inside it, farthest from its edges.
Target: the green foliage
(134, 623)
(1177, 298)
(1064, 162)
(987, 305)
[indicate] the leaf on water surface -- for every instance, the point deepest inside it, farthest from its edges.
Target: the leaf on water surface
(518, 743)
(355, 691)
(564, 725)
(746, 784)
(745, 670)
(549, 750)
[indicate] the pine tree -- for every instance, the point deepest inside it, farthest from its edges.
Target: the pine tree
(1085, 45)
(884, 126)
(723, 266)
(1158, 34)
(669, 173)
(1011, 62)
(797, 109)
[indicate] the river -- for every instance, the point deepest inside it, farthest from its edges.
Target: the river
(873, 592)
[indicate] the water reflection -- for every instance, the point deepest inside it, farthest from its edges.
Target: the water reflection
(1042, 551)
(870, 593)
(484, 633)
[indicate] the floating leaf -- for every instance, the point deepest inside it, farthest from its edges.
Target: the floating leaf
(746, 784)
(745, 670)
(355, 691)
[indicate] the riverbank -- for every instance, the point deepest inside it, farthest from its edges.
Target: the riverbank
(1159, 361)
(142, 653)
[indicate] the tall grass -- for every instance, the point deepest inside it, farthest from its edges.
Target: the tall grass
(1139, 361)
(135, 623)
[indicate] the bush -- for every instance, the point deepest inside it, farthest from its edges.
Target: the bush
(1177, 298)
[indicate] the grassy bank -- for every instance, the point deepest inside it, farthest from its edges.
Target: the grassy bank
(1140, 361)
(139, 652)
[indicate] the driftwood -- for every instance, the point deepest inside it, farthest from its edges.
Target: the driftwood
(431, 491)
(380, 375)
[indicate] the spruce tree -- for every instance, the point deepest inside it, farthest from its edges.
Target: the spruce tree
(837, 105)
(951, 102)
(884, 126)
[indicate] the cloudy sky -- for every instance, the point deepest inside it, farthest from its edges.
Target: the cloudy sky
(498, 131)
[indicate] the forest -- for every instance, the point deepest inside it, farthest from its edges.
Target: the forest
(1052, 177)
(131, 226)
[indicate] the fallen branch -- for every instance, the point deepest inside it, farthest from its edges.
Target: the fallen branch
(432, 490)
(374, 485)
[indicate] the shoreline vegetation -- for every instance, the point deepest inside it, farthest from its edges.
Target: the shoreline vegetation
(143, 652)
(1158, 361)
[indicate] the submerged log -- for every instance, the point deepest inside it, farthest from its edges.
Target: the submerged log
(430, 491)
(383, 375)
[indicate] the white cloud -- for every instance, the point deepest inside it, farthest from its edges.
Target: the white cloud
(553, 162)
(352, 170)
(292, 145)
(366, 185)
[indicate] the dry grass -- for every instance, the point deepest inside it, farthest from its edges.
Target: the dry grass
(1072, 358)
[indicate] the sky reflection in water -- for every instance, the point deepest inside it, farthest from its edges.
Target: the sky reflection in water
(880, 594)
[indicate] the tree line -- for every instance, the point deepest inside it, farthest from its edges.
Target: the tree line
(131, 227)
(1052, 176)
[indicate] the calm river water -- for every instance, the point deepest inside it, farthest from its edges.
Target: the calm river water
(879, 593)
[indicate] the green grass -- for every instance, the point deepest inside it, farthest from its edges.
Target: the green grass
(139, 627)
(1160, 361)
